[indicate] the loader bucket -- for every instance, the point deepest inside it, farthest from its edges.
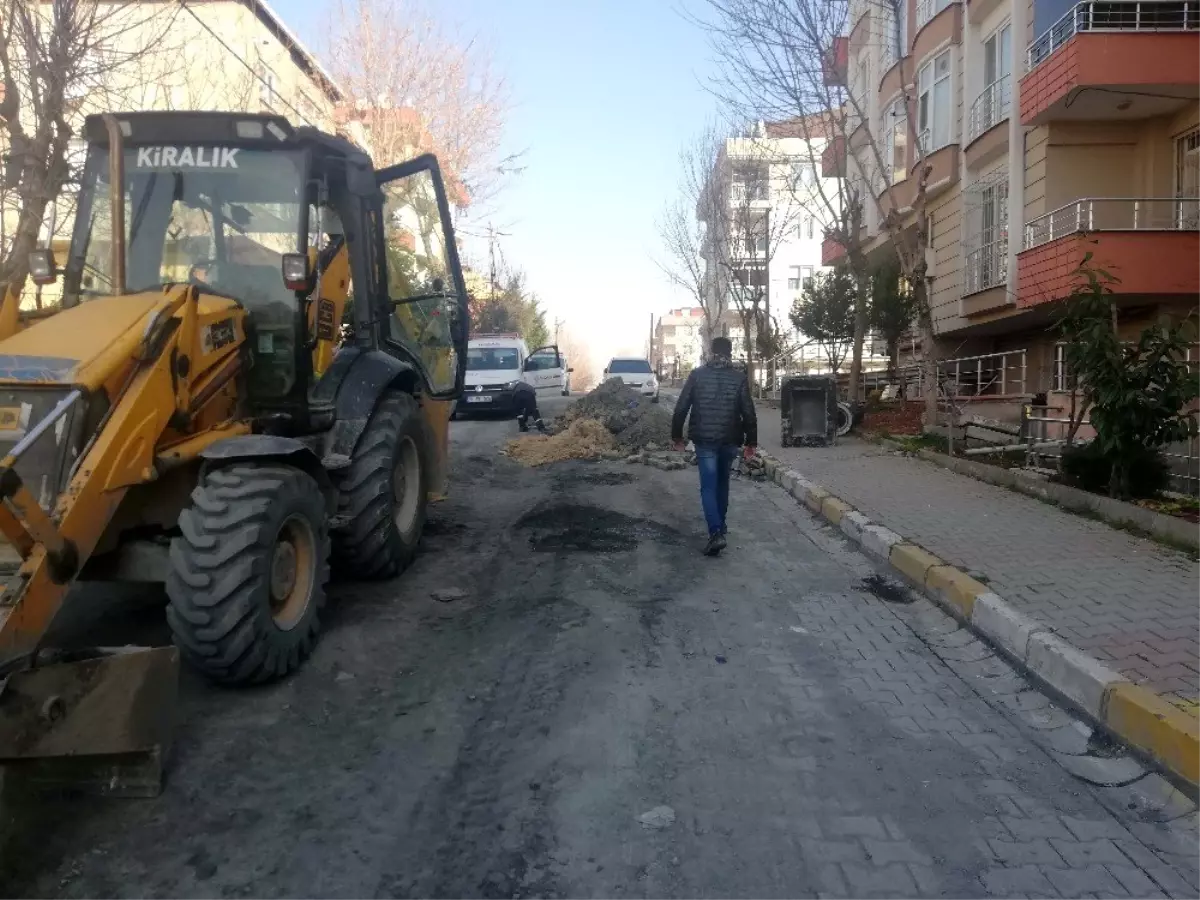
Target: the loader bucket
(99, 725)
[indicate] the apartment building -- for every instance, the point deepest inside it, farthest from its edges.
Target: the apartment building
(766, 225)
(679, 341)
(1050, 130)
(236, 55)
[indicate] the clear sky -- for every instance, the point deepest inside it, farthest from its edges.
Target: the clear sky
(605, 92)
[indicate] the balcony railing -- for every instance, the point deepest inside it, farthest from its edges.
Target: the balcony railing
(927, 9)
(1115, 15)
(987, 265)
(993, 374)
(990, 107)
(1113, 214)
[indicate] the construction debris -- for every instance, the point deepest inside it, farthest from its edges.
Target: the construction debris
(582, 439)
(611, 422)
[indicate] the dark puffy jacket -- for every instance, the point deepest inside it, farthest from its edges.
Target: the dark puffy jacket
(718, 397)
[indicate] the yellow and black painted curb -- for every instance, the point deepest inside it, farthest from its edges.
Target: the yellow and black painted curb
(1166, 735)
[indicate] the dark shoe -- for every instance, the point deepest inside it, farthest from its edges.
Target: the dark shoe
(521, 425)
(716, 543)
(540, 425)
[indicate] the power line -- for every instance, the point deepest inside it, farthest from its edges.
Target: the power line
(249, 68)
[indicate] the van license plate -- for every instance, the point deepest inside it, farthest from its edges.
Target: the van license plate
(482, 398)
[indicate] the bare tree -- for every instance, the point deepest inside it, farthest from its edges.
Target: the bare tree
(779, 61)
(684, 224)
(418, 88)
(58, 59)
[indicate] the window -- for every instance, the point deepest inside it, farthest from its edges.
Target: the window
(628, 366)
(927, 9)
(806, 277)
(993, 213)
(1187, 166)
(809, 227)
(896, 46)
(543, 361)
(794, 279)
(895, 157)
(491, 359)
(803, 175)
(266, 86)
(749, 183)
(997, 54)
(933, 104)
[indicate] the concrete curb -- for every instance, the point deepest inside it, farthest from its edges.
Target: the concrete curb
(1166, 735)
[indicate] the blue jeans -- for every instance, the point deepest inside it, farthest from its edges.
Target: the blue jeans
(715, 462)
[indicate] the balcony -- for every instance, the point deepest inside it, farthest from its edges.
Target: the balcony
(1146, 49)
(1151, 245)
(990, 108)
(985, 275)
(985, 265)
(831, 252)
(833, 158)
(836, 63)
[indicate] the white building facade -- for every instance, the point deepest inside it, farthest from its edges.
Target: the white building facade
(771, 178)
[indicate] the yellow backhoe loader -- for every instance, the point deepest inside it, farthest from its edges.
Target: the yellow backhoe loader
(193, 413)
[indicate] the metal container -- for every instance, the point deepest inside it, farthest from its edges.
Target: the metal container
(809, 407)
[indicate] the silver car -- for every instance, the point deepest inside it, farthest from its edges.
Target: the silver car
(635, 372)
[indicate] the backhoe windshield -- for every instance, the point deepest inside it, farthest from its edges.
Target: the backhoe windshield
(218, 217)
(215, 216)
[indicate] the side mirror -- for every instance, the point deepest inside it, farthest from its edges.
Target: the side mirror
(41, 267)
(569, 371)
(296, 275)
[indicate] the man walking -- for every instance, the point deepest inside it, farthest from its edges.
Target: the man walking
(722, 419)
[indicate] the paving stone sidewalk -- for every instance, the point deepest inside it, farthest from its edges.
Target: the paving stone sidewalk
(1128, 601)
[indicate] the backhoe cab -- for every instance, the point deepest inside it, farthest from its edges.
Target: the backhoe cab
(194, 413)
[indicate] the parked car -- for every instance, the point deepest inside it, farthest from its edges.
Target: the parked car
(635, 372)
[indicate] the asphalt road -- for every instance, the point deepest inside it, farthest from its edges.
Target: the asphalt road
(606, 713)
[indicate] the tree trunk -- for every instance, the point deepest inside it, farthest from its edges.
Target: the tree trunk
(749, 353)
(860, 334)
(25, 236)
(928, 351)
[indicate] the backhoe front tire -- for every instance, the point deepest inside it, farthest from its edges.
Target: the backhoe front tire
(248, 573)
(383, 493)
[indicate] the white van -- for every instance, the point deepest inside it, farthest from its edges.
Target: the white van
(497, 362)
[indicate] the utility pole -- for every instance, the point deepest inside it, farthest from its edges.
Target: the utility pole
(558, 323)
(650, 353)
(492, 234)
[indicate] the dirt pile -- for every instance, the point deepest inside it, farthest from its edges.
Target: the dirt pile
(635, 422)
(610, 422)
(582, 439)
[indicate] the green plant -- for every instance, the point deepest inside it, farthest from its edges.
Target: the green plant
(1139, 392)
(825, 314)
(893, 309)
(1090, 468)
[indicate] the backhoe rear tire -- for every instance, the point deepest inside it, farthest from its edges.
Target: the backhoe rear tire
(248, 573)
(383, 493)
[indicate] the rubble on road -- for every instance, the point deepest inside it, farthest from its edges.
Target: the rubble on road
(582, 439)
(610, 422)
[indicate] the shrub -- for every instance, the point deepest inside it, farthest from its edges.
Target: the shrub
(1088, 467)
